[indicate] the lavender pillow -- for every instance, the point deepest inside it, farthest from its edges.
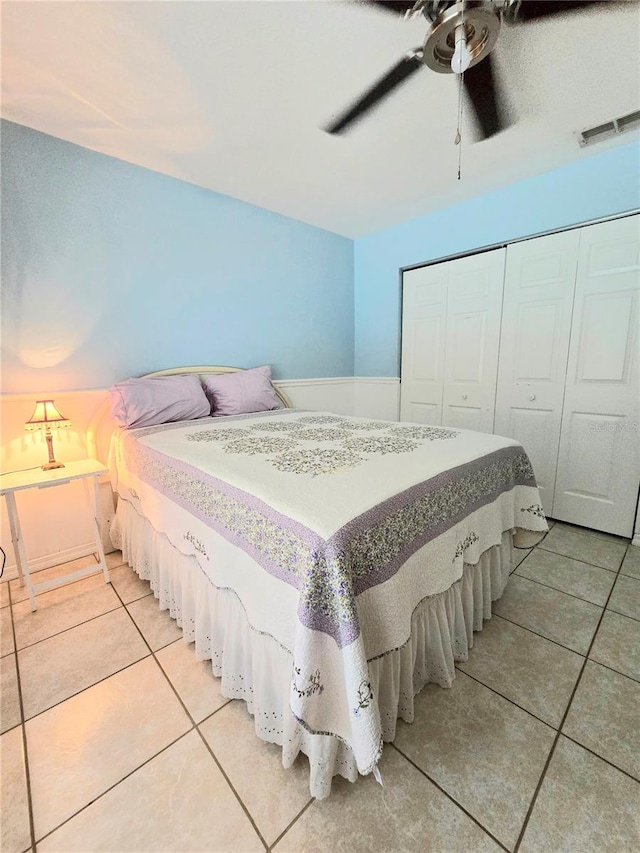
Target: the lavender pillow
(241, 392)
(158, 400)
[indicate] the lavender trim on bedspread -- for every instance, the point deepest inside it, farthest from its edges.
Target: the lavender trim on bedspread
(367, 551)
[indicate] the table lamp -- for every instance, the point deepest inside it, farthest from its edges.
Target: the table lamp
(47, 417)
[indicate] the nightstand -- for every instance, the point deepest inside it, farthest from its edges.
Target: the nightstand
(87, 470)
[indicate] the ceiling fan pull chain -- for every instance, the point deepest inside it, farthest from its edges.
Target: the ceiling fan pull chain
(458, 138)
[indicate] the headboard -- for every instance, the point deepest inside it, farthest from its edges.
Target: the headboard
(101, 426)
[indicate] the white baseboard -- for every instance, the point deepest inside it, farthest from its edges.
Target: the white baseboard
(48, 560)
(636, 540)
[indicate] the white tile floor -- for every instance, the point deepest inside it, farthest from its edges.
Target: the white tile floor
(115, 738)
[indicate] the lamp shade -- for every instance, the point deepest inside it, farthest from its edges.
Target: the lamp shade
(46, 416)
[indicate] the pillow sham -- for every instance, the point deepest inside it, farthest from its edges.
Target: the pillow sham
(158, 400)
(242, 392)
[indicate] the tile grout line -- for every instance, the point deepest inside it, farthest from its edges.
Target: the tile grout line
(564, 592)
(626, 615)
(244, 807)
(58, 565)
(153, 654)
(122, 605)
(195, 725)
(23, 728)
(213, 713)
(115, 784)
(228, 781)
(279, 838)
(553, 728)
(67, 584)
(448, 795)
(77, 694)
(71, 628)
(86, 621)
(64, 630)
(538, 634)
(588, 531)
(606, 761)
(289, 825)
(613, 669)
(559, 731)
(617, 574)
(44, 710)
(511, 701)
(88, 687)
(152, 757)
(577, 560)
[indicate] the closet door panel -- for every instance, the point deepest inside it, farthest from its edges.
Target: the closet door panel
(591, 438)
(474, 304)
(534, 345)
(424, 315)
(537, 430)
(465, 417)
(599, 460)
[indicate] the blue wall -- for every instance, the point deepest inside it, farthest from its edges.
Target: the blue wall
(598, 186)
(110, 270)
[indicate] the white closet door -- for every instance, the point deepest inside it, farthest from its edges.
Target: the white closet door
(424, 308)
(474, 306)
(598, 465)
(534, 346)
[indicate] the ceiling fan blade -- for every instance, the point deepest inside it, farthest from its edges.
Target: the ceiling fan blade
(397, 6)
(536, 10)
(430, 9)
(400, 72)
(484, 93)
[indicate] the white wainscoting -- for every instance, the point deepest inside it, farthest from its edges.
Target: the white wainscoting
(56, 525)
(362, 396)
(322, 395)
(377, 397)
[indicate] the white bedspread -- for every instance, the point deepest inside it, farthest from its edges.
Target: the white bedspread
(354, 522)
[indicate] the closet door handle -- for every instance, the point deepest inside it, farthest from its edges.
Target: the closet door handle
(464, 396)
(532, 397)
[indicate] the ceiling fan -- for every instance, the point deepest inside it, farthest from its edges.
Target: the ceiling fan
(459, 40)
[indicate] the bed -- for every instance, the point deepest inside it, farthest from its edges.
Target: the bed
(328, 566)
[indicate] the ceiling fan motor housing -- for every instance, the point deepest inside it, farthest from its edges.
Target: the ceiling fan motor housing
(481, 24)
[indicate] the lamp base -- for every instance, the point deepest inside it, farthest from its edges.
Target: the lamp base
(52, 459)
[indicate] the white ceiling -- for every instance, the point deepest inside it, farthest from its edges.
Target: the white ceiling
(232, 96)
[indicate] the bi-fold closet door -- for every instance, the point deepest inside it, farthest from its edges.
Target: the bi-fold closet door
(534, 348)
(424, 327)
(553, 363)
(450, 340)
(598, 470)
(568, 382)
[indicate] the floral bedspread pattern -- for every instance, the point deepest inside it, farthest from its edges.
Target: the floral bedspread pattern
(362, 519)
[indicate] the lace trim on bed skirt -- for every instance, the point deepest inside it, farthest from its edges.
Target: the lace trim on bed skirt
(254, 667)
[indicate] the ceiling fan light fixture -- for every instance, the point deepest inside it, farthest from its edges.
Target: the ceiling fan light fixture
(480, 26)
(461, 58)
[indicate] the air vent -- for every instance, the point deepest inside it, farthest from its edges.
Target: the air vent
(609, 129)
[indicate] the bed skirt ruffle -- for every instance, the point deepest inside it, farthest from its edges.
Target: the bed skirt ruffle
(254, 667)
